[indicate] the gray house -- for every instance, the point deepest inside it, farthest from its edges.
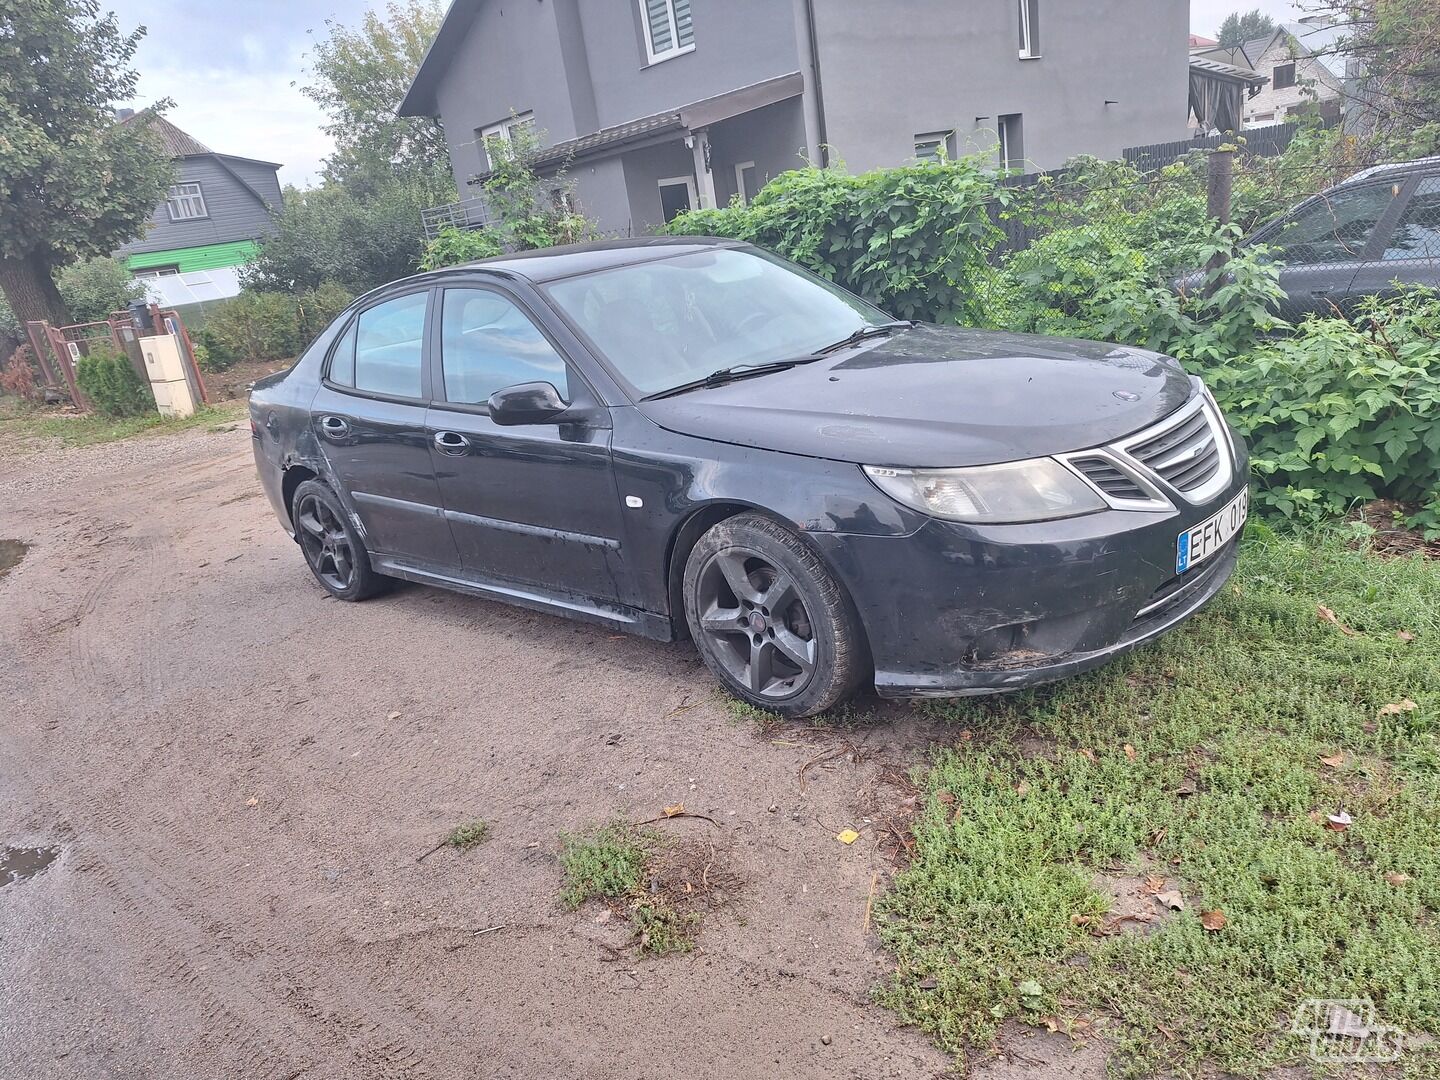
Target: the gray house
(208, 225)
(657, 105)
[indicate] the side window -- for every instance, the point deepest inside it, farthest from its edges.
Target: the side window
(487, 344)
(1417, 236)
(342, 360)
(1335, 229)
(389, 343)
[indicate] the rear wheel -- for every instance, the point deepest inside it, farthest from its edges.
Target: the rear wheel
(333, 549)
(769, 620)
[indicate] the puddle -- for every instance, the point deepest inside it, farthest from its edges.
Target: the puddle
(11, 552)
(19, 863)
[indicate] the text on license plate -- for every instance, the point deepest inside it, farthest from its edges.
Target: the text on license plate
(1197, 544)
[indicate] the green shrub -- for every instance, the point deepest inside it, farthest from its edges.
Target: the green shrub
(94, 288)
(268, 325)
(454, 247)
(112, 384)
(1344, 411)
(914, 240)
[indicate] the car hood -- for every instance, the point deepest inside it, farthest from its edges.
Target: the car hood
(939, 396)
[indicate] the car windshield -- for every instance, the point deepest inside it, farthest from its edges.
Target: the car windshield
(669, 322)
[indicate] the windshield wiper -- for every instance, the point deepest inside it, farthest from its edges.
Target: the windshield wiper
(867, 331)
(733, 374)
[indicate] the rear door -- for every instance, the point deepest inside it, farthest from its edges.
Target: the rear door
(369, 421)
(1323, 244)
(1407, 249)
(533, 504)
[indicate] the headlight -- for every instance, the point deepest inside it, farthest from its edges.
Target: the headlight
(1017, 491)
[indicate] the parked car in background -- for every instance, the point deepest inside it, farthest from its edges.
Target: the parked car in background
(692, 437)
(1360, 238)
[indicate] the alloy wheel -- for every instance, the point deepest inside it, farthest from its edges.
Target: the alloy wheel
(756, 623)
(326, 543)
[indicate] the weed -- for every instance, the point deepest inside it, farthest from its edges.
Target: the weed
(1218, 755)
(607, 862)
(662, 929)
(465, 836)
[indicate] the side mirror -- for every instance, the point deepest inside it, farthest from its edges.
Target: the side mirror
(526, 403)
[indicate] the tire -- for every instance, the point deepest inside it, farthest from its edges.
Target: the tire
(770, 621)
(332, 548)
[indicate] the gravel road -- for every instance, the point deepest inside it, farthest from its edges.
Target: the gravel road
(240, 772)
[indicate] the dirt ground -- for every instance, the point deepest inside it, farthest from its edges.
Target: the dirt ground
(240, 773)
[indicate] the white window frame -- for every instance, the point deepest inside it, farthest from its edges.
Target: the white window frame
(676, 49)
(943, 140)
(740, 167)
(182, 200)
(676, 181)
(1028, 50)
(505, 130)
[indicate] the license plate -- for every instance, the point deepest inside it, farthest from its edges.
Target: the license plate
(1198, 544)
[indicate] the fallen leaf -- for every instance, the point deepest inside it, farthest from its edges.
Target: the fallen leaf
(252, 801)
(1329, 616)
(847, 836)
(1335, 760)
(1405, 636)
(1338, 821)
(674, 811)
(1087, 754)
(966, 735)
(1130, 751)
(1154, 884)
(1022, 788)
(945, 797)
(1394, 877)
(1213, 920)
(1172, 899)
(1395, 708)
(393, 716)
(928, 983)
(1186, 788)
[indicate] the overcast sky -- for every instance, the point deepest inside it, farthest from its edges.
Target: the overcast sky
(233, 68)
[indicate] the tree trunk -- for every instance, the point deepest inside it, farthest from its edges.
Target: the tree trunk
(30, 290)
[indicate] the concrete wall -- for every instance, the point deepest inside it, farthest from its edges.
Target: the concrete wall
(644, 169)
(511, 61)
(233, 213)
(897, 68)
(772, 137)
(602, 194)
(737, 43)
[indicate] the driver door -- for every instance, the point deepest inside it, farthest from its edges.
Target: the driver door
(534, 505)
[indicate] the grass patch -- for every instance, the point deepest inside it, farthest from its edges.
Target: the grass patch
(661, 885)
(468, 834)
(1213, 758)
(33, 429)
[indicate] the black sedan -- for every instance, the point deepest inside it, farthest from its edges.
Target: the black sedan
(692, 437)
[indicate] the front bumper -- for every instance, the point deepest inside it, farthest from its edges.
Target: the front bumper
(954, 610)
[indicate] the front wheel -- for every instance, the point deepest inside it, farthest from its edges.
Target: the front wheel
(770, 621)
(333, 549)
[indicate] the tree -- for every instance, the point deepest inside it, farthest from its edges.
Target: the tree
(94, 288)
(361, 74)
(1392, 49)
(1239, 28)
(73, 182)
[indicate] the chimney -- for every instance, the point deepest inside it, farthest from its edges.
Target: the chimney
(124, 114)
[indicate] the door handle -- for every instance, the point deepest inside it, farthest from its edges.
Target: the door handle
(451, 442)
(334, 427)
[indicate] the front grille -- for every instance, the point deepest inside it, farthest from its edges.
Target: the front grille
(1103, 474)
(1184, 454)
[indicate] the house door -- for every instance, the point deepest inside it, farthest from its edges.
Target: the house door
(677, 194)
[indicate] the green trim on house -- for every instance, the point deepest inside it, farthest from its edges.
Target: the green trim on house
(208, 257)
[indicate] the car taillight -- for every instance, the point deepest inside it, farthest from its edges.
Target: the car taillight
(254, 429)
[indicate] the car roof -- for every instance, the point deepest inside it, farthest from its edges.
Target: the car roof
(550, 264)
(1394, 168)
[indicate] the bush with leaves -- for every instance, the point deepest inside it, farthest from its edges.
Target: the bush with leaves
(17, 377)
(914, 240)
(111, 383)
(1344, 411)
(94, 288)
(455, 247)
(268, 325)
